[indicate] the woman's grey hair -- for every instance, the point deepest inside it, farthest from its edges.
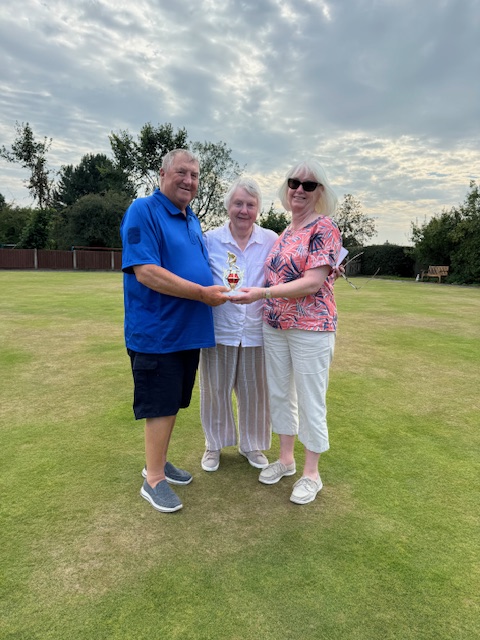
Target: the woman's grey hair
(169, 157)
(328, 200)
(250, 186)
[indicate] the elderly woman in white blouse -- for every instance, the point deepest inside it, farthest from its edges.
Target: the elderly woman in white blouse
(236, 365)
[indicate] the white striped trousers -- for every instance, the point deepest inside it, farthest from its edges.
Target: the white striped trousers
(225, 372)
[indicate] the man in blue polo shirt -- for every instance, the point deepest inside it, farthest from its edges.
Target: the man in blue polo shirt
(168, 294)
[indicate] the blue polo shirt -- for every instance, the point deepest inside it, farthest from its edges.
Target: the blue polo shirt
(155, 231)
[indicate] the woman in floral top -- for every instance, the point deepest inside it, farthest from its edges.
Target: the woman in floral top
(300, 320)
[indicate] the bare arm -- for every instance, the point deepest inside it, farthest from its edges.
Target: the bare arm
(309, 284)
(166, 282)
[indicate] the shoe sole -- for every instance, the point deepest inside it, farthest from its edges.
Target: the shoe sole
(205, 468)
(147, 497)
(253, 464)
(305, 501)
(169, 480)
(178, 482)
(275, 480)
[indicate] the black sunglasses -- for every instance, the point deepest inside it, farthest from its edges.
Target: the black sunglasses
(308, 185)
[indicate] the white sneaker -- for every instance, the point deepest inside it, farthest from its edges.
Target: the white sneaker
(275, 471)
(305, 490)
(211, 460)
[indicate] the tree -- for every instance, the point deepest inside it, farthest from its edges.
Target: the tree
(452, 238)
(217, 171)
(355, 226)
(93, 220)
(31, 154)
(12, 222)
(466, 258)
(275, 220)
(94, 174)
(36, 233)
(141, 159)
(433, 240)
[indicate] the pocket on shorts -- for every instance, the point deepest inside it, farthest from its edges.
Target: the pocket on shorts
(145, 362)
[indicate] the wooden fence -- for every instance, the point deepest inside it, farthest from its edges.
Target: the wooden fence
(83, 260)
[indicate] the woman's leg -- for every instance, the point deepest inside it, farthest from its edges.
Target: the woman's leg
(217, 374)
(312, 353)
(281, 387)
(252, 398)
(310, 468)
(287, 444)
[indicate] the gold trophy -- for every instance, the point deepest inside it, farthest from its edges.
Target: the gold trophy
(232, 274)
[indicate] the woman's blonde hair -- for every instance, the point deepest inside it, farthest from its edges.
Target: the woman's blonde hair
(327, 203)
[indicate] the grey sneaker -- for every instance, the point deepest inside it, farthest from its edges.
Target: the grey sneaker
(211, 460)
(161, 497)
(275, 471)
(305, 490)
(255, 458)
(173, 475)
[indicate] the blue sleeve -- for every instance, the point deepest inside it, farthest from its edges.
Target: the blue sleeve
(141, 239)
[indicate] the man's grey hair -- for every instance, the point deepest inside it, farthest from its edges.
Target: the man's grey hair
(169, 157)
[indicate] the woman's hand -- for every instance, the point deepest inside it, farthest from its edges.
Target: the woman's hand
(338, 271)
(246, 295)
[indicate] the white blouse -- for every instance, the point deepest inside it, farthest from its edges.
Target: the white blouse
(237, 324)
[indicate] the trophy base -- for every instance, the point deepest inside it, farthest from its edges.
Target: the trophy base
(231, 293)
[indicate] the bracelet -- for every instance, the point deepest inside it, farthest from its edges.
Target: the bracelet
(268, 294)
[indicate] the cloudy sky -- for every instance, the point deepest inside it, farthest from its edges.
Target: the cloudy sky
(386, 93)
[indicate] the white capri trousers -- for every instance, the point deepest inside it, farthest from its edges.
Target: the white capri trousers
(297, 363)
(227, 370)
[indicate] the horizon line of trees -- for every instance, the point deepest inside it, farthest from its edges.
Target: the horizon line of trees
(83, 204)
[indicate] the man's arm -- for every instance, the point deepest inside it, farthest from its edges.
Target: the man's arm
(166, 282)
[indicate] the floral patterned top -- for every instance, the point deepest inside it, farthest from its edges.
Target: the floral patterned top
(315, 245)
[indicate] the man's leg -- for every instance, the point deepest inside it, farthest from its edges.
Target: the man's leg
(157, 438)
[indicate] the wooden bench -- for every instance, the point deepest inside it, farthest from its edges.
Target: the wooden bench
(435, 272)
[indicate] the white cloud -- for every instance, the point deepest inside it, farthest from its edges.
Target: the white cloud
(385, 93)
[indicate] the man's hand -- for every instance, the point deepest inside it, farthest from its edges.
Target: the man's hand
(164, 281)
(214, 295)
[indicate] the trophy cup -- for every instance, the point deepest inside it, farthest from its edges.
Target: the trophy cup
(232, 274)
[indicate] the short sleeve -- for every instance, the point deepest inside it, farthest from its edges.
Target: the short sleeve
(141, 240)
(324, 245)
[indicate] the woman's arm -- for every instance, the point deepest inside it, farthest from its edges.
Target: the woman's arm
(309, 284)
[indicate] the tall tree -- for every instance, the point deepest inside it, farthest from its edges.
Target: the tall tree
(141, 159)
(96, 173)
(355, 226)
(217, 171)
(31, 154)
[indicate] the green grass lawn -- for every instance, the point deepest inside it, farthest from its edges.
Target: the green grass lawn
(390, 548)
